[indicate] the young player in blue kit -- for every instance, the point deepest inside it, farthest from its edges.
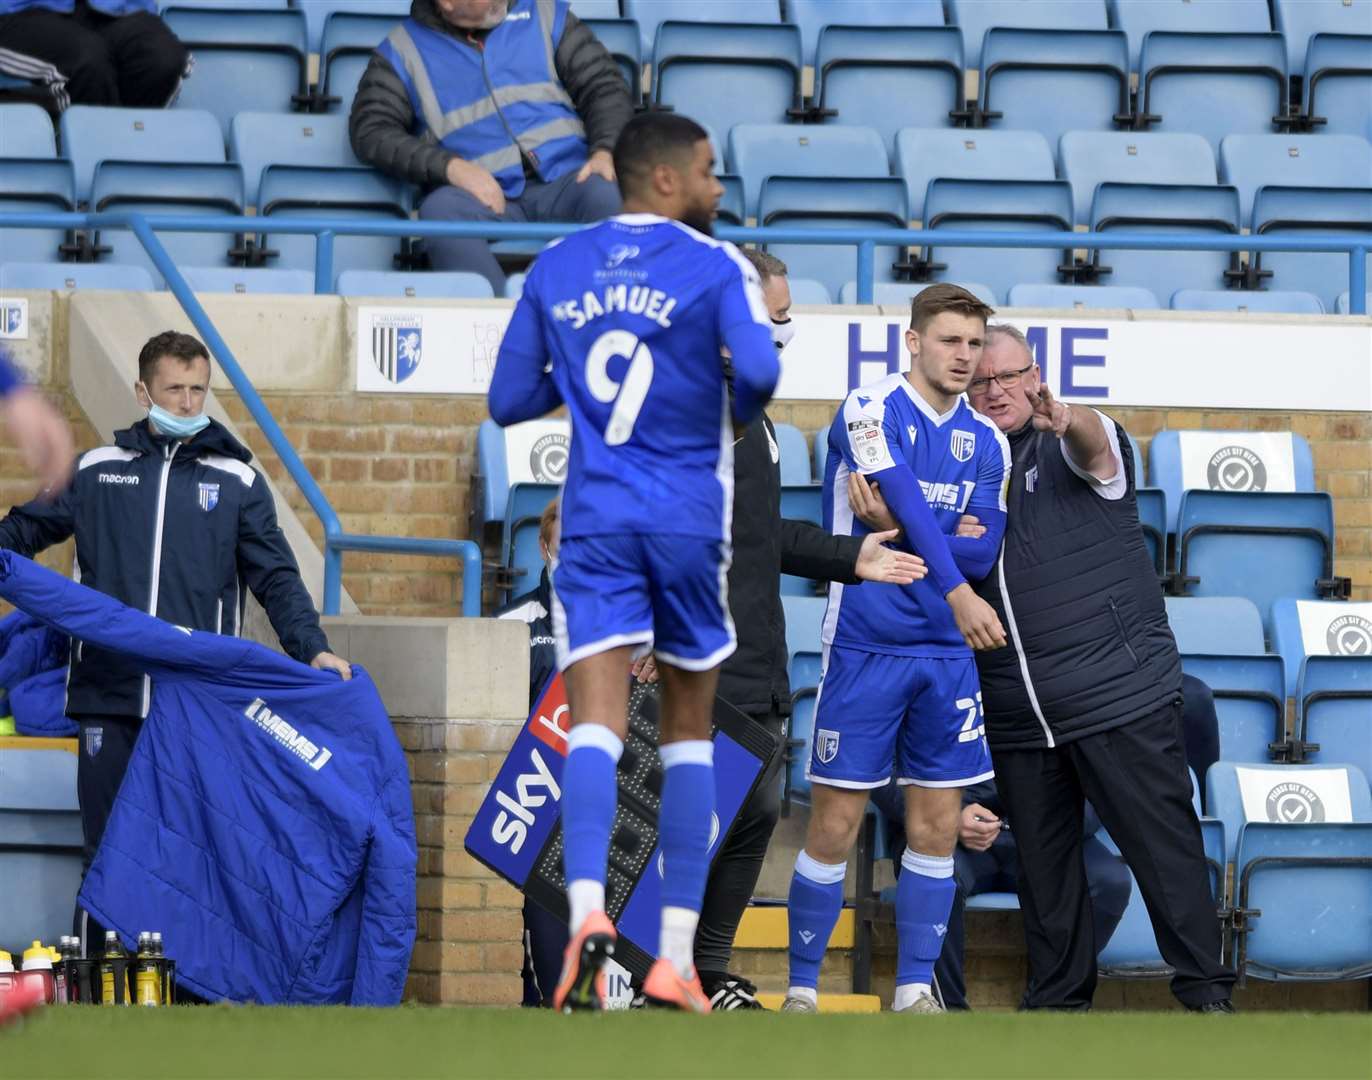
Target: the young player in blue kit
(625, 322)
(899, 686)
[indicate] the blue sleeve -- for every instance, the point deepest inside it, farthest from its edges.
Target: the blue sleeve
(522, 387)
(976, 557)
(745, 330)
(10, 378)
(902, 493)
(389, 921)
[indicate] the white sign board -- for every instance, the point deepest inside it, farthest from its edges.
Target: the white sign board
(14, 318)
(1294, 796)
(1103, 362)
(1237, 460)
(1333, 629)
(536, 452)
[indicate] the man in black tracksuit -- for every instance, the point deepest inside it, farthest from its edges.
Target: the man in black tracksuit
(171, 519)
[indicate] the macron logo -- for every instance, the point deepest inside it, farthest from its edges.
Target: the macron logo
(118, 478)
(940, 928)
(806, 936)
(284, 733)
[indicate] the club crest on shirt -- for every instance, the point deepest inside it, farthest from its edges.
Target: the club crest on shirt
(963, 444)
(826, 745)
(209, 497)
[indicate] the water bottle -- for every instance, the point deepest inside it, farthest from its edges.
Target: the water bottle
(37, 971)
(148, 973)
(113, 971)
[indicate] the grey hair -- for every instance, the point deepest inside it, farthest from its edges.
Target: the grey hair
(766, 265)
(1012, 332)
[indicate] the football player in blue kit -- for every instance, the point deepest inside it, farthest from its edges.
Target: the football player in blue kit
(625, 323)
(899, 688)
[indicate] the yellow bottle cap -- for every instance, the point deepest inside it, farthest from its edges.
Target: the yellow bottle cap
(36, 956)
(6, 961)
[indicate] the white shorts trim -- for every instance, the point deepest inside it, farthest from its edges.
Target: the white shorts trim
(910, 781)
(567, 659)
(851, 785)
(713, 660)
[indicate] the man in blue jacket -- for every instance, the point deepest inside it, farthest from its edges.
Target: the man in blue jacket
(171, 520)
(92, 52)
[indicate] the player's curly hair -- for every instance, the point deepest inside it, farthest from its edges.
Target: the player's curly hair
(937, 299)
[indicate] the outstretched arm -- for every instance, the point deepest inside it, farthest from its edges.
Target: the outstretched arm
(522, 387)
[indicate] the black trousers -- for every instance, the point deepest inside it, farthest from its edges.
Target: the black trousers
(103, 753)
(1135, 776)
(130, 60)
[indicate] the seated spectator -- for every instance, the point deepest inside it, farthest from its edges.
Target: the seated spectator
(92, 52)
(500, 110)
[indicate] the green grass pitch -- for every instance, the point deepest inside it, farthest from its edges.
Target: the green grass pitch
(417, 1042)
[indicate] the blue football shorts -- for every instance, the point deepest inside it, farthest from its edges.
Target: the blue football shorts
(658, 592)
(920, 714)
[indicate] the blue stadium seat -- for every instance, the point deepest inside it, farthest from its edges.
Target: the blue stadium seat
(26, 132)
(1250, 702)
(901, 293)
(1159, 208)
(1299, 20)
(923, 155)
(651, 13)
(804, 621)
(820, 443)
(799, 733)
(301, 191)
(1341, 629)
(415, 283)
(757, 151)
(317, 14)
(1338, 83)
(1240, 78)
(732, 203)
(1091, 158)
(91, 134)
(1334, 710)
(808, 291)
(244, 60)
(813, 15)
(803, 501)
(40, 844)
(805, 669)
(344, 51)
(975, 17)
(1216, 625)
(66, 276)
(833, 203)
(997, 206)
(35, 185)
(1249, 162)
(1310, 211)
(795, 454)
(727, 74)
(248, 280)
(595, 9)
(1341, 304)
(1284, 301)
(520, 537)
(621, 37)
(1055, 81)
(257, 140)
(1152, 504)
(889, 78)
(1138, 18)
(1083, 297)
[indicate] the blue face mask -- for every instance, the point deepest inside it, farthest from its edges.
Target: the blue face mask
(177, 427)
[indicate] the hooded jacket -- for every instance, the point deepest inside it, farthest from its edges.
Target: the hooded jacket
(264, 824)
(181, 530)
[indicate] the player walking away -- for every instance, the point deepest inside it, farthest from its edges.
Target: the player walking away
(899, 685)
(624, 322)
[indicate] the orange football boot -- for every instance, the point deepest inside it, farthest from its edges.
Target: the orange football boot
(582, 986)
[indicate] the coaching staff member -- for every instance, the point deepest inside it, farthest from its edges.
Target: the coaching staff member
(171, 520)
(1085, 701)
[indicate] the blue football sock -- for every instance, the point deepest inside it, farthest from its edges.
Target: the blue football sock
(812, 910)
(684, 817)
(590, 794)
(924, 899)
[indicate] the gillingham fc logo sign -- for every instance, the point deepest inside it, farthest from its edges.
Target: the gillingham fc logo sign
(1236, 468)
(1349, 635)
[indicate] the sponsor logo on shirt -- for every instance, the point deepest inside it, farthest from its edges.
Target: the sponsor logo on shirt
(948, 496)
(118, 478)
(316, 757)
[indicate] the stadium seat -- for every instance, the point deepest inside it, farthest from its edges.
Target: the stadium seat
(795, 454)
(1137, 18)
(417, 283)
(344, 51)
(1249, 162)
(1152, 504)
(813, 15)
(923, 155)
(300, 191)
(245, 60)
(257, 140)
(1158, 208)
(26, 132)
(803, 502)
(1303, 629)
(595, 9)
(649, 14)
(808, 291)
(1216, 625)
(889, 78)
(1250, 702)
(92, 134)
(1091, 158)
(1299, 20)
(1342, 306)
(804, 621)
(520, 537)
(976, 17)
(249, 280)
(1083, 297)
(732, 203)
(1334, 708)
(997, 206)
(75, 276)
(799, 733)
(1338, 83)
(805, 668)
(168, 188)
(900, 293)
(36, 185)
(833, 203)
(1055, 81)
(1310, 211)
(621, 37)
(1241, 78)
(318, 12)
(1283, 301)
(727, 74)
(757, 151)
(40, 844)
